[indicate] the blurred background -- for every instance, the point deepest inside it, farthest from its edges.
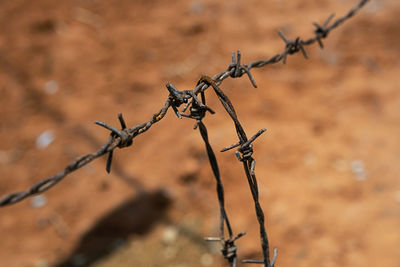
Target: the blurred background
(327, 166)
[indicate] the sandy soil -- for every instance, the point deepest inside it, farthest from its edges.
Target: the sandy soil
(327, 166)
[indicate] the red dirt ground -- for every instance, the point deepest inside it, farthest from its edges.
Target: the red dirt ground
(327, 166)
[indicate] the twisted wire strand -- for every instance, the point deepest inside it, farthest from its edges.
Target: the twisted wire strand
(224, 220)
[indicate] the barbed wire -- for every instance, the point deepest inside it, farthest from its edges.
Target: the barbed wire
(124, 137)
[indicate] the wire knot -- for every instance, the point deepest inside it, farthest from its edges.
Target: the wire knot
(177, 98)
(228, 246)
(322, 31)
(237, 70)
(292, 47)
(125, 138)
(197, 112)
(245, 150)
(198, 108)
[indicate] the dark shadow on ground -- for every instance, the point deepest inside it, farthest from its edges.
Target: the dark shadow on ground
(136, 216)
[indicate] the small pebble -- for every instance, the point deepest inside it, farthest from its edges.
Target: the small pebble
(51, 87)
(45, 139)
(375, 6)
(169, 235)
(38, 201)
(196, 7)
(358, 169)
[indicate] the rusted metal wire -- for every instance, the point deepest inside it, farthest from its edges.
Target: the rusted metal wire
(198, 109)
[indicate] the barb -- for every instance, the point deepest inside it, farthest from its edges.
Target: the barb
(125, 140)
(322, 31)
(236, 70)
(124, 137)
(292, 47)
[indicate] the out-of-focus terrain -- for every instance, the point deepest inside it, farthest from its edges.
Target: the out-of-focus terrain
(327, 167)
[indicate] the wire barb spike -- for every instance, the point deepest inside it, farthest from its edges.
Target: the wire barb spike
(292, 47)
(235, 69)
(125, 138)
